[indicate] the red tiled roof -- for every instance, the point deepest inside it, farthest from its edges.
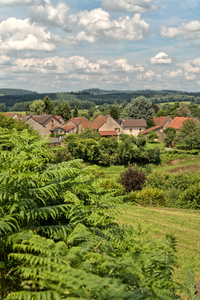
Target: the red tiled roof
(98, 122)
(107, 133)
(161, 121)
(68, 128)
(134, 123)
(10, 114)
(177, 122)
(79, 120)
(150, 129)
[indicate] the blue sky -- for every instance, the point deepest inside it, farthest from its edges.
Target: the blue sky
(54, 46)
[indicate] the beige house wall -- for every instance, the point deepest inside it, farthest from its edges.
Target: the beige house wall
(133, 130)
(50, 124)
(111, 124)
(36, 126)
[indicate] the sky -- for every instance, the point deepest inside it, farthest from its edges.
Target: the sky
(63, 46)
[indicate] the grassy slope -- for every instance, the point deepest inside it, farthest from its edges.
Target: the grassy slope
(183, 224)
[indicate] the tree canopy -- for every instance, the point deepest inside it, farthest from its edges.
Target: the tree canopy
(141, 108)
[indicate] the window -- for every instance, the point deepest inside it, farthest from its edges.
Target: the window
(116, 129)
(52, 126)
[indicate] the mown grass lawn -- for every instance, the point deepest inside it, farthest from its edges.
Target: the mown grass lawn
(183, 224)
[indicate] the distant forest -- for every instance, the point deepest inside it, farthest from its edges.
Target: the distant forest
(18, 99)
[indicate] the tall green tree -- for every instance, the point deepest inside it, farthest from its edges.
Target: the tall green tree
(37, 107)
(75, 112)
(189, 135)
(141, 108)
(63, 110)
(114, 112)
(49, 106)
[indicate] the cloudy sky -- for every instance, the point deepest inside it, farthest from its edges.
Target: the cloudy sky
(53, 45)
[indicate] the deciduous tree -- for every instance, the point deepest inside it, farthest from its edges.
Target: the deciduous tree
(141, 108)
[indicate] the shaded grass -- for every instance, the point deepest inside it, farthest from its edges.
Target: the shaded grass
(183, 224)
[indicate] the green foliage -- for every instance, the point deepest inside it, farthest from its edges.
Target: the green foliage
(190, 198)
(140, 141)
(75, 112)
(10, 123)
(152, 136)
(158, 179)
(114, 112)
(61, 154)
(49, 106)
(161, 113)
(132, 179)
(2, 107)
(141, 108)
(59, 239)
(170, 136)
(90, 133)
(150, 123)
(150, 196)
(189, 135)
(37, 107)
(63, 110)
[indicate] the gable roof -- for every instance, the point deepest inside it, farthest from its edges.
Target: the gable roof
(133, 123)
(79, 120)
(161, 121)
(98, 122)
(150, 129)
(177, 122)
(68, 128)
(42, 119)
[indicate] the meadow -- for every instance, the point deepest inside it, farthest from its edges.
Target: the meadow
(183, 224)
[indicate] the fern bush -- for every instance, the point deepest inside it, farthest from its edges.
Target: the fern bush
(59, 237)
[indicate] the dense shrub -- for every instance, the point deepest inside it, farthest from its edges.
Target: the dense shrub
(190, 198)
(183, 182)
(158, 179)
(154, 156)
(132, 179)
(150, 196)
(61, 154)
(140, 141)
(172, 195)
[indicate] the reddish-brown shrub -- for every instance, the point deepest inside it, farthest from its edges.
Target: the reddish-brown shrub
(132, 179)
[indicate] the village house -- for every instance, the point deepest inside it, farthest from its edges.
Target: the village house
(133, 126)
(161, 124)
(106, 126)
(39, 128)
(177, 122)
(76, 125)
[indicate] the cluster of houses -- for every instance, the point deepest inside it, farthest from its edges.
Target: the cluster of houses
(105, 125)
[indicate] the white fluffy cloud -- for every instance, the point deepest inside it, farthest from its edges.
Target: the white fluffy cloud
(75, 65)
(161, 58)
(47, 14)
(17, 34)
(191, 66)
(189, 30)
(137, 6)
(14, 2)
(98, 25)
(4, 60)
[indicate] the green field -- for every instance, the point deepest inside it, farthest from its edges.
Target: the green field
(183, 224)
